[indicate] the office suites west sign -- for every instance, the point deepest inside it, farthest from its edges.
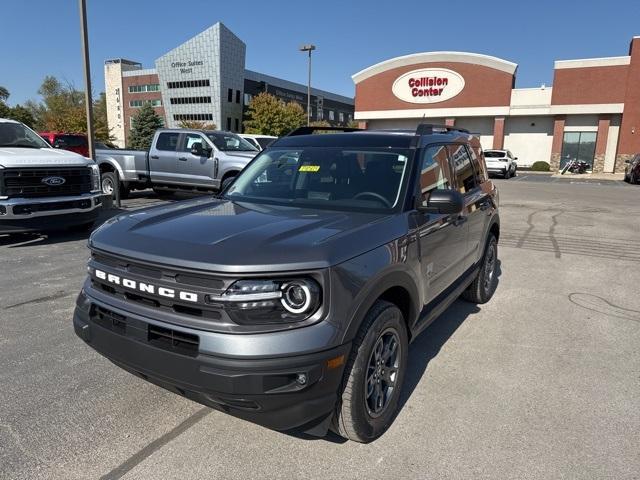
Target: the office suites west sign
(428, 85)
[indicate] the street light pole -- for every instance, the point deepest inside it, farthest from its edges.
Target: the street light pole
(308, 48)
(87, 75)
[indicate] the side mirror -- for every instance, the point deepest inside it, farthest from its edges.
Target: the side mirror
(197, 150)
(446, 202)
(58, 144)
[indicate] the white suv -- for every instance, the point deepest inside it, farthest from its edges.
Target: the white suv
(501, 162)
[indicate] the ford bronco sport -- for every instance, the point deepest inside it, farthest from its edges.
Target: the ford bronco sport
(290, 299)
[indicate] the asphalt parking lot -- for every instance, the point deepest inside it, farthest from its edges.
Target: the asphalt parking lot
(541, 382)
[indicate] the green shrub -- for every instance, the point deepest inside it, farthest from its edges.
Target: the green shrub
(540, 167)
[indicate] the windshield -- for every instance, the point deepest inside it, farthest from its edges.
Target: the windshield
(230, 142)
(494, 154)
(265, 141)
(313, 177)
(17, 135)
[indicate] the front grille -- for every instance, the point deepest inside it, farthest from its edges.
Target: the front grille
(51, 206)
(160, 337)
(27, 182)
(173, 340)
(162, 276)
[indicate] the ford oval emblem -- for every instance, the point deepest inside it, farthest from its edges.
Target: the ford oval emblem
(53, 181)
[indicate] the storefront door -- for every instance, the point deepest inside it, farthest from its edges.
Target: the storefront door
(578, 146)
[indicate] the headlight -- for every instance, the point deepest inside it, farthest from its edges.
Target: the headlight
(270, 301)
(95, 178)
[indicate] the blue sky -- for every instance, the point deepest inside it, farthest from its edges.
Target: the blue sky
(41, 37)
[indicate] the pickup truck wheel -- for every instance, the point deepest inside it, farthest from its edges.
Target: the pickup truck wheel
(227, 181)
(108, 181)
(483, 287)
(373, 376)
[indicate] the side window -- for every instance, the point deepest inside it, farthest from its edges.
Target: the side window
(465, 175)
(190, 139)
(435, 173)
(478, 164)
(167, 141)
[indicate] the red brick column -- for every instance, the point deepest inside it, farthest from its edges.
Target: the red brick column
(601, 143)
(362, 125)
(498, 132)
(449, 122)
(556, 146)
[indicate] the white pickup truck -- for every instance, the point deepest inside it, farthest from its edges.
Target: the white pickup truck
(179, 159)
(43, 188)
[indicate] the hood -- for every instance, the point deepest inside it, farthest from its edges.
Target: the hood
(40, 157)
(224, 236)
(247, 155)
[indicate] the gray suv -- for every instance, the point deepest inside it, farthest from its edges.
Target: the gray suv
(290, 299)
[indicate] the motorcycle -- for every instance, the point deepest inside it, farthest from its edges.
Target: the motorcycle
(575, 166)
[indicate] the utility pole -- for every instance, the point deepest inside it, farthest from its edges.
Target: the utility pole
(308, 48)
(87, 75)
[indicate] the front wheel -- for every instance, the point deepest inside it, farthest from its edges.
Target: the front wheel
(484, 285)
(109, 181)
(373, 376)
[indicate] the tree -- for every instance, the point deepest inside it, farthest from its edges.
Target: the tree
(101, 130)
(197, 125)
(269, 115)
(19, 113)
(145, 124)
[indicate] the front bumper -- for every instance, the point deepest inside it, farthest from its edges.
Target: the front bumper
(286, 392)
(32, 214)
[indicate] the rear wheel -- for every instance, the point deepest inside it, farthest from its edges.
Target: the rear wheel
(374, 375)
(109, 180)
(483, 287)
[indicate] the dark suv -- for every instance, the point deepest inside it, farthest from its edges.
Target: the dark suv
(290, 299)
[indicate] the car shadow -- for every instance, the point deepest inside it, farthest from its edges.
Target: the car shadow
(29, 239)
(429, 342)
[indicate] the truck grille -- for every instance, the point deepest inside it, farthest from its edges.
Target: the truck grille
(27, 182)
(170, 277)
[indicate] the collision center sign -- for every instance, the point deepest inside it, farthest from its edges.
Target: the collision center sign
(428, 85)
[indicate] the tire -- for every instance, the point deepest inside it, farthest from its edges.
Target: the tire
(108, 181)
(632, 179)
(482, 288)
(356, 417)
(226, 181)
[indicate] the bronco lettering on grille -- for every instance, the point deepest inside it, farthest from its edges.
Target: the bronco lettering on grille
(147, 287)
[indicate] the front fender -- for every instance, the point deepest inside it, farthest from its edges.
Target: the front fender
(359, 282)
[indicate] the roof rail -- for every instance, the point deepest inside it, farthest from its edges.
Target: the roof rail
(310, 129)
(429, 128)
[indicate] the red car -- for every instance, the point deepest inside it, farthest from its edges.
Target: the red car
(74, 142)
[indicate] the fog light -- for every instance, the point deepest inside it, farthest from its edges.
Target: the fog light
(301, 378)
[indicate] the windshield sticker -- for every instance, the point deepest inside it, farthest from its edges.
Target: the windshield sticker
(309, 168)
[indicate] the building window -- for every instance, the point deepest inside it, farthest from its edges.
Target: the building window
(247, 99)
(310, 111)
(350, 117)
(230, 94)
(237, 96)
(237, 124)
(193, 116)
(578, 146)
(320, 114)
(341, 117)
(189, 100)
(189, 84)
(154, 87)
(228, 123)
(139, 103)
(331, 116)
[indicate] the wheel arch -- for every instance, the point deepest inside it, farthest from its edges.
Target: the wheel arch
(397, 288)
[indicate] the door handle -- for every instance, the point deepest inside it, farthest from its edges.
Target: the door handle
(155, 157)
(184, 159)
